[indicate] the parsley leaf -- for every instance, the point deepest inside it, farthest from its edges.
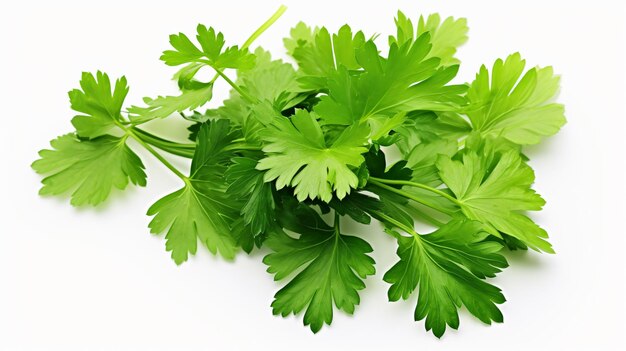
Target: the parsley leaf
(448, 266)
(516, 109)
(300, 35)
(100, 106)
(495, 189)
(405, 81)
(296, 143)
(89, 169)
(200, 210)
(211, 49)
(246, 182)
(193, 93)
(299, 156)
(445, 36)
(164, 106)
(321, 57)
(333, 266)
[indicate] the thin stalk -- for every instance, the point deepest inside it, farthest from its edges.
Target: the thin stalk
(157, 155)
(151, 136)
(166, 163)
(407, 195)
(241, 147)
(416, 185)
(257, 33)
(430, 219)
(234, 85)
(396, 223)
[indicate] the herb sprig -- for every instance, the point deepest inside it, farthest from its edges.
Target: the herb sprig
(296, 149)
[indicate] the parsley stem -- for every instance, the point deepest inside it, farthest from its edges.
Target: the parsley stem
(257, 33)
(376, 182)
(130, 132)
(394, 222)
(416, 185)
(430, 219)
(178, 149)
(234, 85)
(156, 154)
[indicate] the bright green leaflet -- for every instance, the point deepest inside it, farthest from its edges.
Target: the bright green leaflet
(405, 81)
(519, 110)
(298, 156)
(100, 106)
(421, 160)
(246, 182)
(274, 84)
(331, 267)
(200, 210)
(88, 169)
(447, 267)
(299, 35)
(445, 36)
(194, 94)
(211, 49)
(321, 54)
(495, 189)
(164, 106)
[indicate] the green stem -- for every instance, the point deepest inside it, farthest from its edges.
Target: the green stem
(234, 85)
(407, 195)
(187, 150)
(416, 185)
(241, 147)
(257, 33)
(430, 219)
(394, 222)
(157, 155)
(130, 132)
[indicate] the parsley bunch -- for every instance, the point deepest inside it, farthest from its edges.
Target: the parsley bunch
(297, 148)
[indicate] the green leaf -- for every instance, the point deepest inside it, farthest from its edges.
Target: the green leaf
(445, 36)
(89, 169)
(331, 267)
(300, 35)
(405, 81)
(318, 59)
(494, 188)
(427, 126)
(273, 82)
(298, 156)
(195, 212)
(447, 268)
(100, 106)
(421, 160)
(246, 183)
(201, 210)
(164, 106)
(519, 110)
(211, 49)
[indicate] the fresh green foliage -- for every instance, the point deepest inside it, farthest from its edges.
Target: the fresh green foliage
(299, 156)
(295, 147)
(448, 266)
(89, 169)
(334, 266)
(516, 109)
(100, 107)
(200, 210)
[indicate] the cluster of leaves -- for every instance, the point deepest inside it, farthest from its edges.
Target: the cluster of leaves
(296, 148)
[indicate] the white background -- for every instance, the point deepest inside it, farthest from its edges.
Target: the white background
(94, 279)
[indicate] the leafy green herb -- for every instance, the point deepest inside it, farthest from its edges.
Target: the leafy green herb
(295, 145)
